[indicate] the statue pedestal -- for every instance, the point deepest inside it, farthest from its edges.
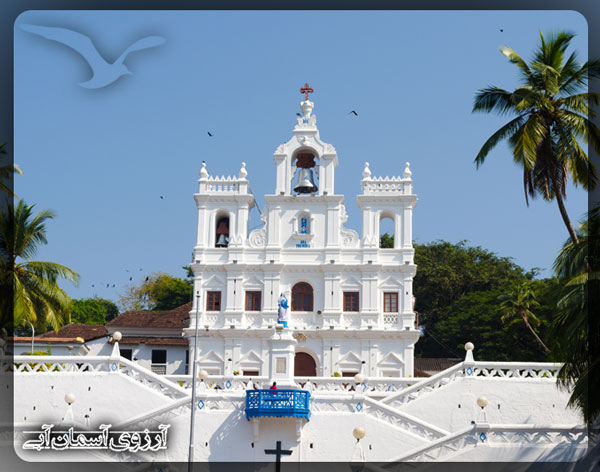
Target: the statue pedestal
(282, 352)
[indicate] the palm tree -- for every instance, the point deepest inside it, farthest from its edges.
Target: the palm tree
(552, 109)
(576, 326)
(29, 288)
(6, 171)
(518, 302)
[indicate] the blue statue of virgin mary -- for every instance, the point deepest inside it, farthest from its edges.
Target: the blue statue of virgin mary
(282, 312)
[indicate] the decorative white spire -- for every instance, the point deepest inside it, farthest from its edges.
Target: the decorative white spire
(307, 108)
(243, 172)
(366, 171)
(203, 171)
(407, 173)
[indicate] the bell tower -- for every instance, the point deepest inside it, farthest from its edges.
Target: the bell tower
(305, 164)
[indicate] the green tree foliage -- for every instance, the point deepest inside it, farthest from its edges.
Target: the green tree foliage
(474, 317)
(28, 288)
(551, 111)
(6, 172)
(112, 310)
(159, 292)
(446, 274)
(517, 304)
(93, 311)
(576, 327)
(386, 241)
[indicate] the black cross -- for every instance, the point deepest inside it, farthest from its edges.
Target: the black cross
(278, 452)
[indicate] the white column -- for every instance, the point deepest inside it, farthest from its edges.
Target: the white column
(242, 222)
(407, 226)
(366, 225)
(333, 227)
(274, 227)
(280, 162)
(282, 352)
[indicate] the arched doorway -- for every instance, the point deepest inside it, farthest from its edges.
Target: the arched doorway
(304, 365)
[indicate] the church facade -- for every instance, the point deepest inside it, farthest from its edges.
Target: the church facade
(350, 301)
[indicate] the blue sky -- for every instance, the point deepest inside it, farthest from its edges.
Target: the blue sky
(102, 158)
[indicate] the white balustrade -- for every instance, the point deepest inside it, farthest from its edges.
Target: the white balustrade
(426, 385)
(502, 434)
(57, 365)
(373, 386)
(517, 370)
(402, 420)
(375, 185)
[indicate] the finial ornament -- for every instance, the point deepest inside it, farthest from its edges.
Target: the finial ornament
(407, 173)
(203, 171)
(366, 171)
(306, 90)
(243, 172)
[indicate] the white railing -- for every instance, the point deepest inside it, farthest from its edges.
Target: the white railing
(404, 421)
(160, 369)
(539, 371)
(57, 364)
(386, 185)
(204, 402)
(504, 434)
(221, 383)
(372, 387)
(229, 185)
(151, 380)
(427, 385)
(94, 364)
(516, 370)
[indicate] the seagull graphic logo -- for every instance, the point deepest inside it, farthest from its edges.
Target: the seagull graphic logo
(103, 72)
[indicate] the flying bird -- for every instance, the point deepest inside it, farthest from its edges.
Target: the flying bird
(107, 285)
(162, 198)
(209, 133)
(130, 278)
(103, 72)
(353, 113)
(298, 114)
(502, 31)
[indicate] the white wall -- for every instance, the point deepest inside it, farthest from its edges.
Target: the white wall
(527, 401)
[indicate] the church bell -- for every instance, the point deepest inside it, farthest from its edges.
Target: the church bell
(223, 233)
(306, 183)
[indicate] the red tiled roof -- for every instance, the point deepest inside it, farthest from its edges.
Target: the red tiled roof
(435, 364)
(421, 373)
(153, 319)
(27, 339)
(74, 330)
(153, 341)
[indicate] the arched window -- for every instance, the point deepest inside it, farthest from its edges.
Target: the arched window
(386, 231)
(222, 231)
(302, 297)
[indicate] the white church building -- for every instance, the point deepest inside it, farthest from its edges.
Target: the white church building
(351, 302)
(344, 364)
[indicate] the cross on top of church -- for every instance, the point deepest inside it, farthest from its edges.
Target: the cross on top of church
(306, 90)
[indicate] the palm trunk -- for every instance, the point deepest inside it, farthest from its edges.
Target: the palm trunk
(535, 334)
(563, 212)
